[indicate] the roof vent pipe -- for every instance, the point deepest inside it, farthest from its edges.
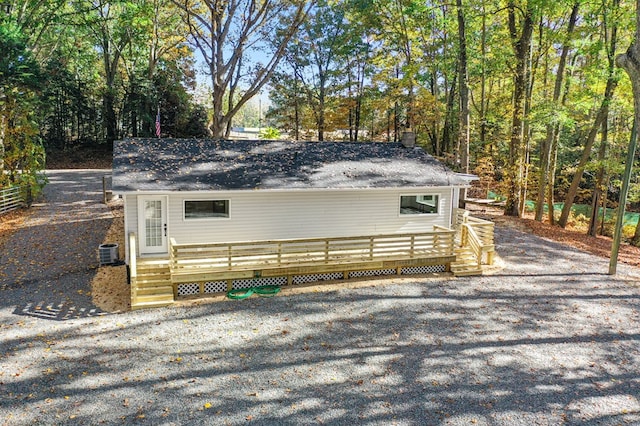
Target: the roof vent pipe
(408, 138)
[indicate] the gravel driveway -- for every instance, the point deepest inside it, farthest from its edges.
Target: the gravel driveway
(549, 340)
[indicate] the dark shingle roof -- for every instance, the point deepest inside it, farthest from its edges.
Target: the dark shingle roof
(200, 165)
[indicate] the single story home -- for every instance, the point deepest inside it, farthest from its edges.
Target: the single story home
(208, 192)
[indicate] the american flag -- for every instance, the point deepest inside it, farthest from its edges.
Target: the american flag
(158, 123)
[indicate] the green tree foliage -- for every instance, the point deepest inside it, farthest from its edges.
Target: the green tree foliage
(529, 95)
(107, 67)
(21, 154)
(536, 77)
(289, 109)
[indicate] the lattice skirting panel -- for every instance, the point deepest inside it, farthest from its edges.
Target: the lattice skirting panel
(374, 273)
(257, 282)
(188, 289)
(303, 279)
(215, 287)
(431, 269)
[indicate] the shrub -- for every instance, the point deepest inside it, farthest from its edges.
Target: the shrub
(269, 133)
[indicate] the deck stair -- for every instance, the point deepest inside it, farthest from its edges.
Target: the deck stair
(466, 263)
(152, 284)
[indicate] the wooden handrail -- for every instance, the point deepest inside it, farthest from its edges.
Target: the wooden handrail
(484, 230)
(133, 266)
(474, 242)
(172, 255)
(132, 255)
(479, 242)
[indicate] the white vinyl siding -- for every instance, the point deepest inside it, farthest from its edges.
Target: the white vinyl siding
(267, 215)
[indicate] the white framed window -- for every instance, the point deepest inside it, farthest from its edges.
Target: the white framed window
(419, 204)
(205, 209)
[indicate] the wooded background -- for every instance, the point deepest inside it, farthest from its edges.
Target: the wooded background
(525, 93)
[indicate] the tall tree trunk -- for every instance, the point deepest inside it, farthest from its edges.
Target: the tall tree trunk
(553, 158)
(111, 59)
(3, 125)
(350, 108)
(396, 122)
(612, 82)
(218, 120)
(296, 107)
(321, 107)
(449, 117)
(483, 83)
(597, 191)
(521, 46)
(296, 112)
(630, 62)
(463, 81)
(586, 153)
(110, 119)
(526, 128)
(554, 128)
(359, 97)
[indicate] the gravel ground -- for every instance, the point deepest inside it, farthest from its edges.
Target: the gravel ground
(550, 339)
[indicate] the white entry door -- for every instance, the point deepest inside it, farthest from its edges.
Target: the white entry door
(152, 224)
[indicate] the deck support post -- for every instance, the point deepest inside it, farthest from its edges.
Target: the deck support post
(371, 248)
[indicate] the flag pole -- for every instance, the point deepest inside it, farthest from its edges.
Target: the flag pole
(158, 122)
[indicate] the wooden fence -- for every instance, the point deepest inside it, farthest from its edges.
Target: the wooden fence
(11, 199)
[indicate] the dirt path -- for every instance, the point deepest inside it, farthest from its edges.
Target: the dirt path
(47, 264)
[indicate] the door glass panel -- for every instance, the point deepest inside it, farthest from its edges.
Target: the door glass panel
(153, 223)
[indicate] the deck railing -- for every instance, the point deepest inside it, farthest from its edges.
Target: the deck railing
(310, 253)
(476, 233)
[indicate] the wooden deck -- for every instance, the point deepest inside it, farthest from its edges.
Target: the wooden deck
(225, 266)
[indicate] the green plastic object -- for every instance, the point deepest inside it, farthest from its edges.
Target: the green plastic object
(267, 290)
(262, 291)
(239, 293)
